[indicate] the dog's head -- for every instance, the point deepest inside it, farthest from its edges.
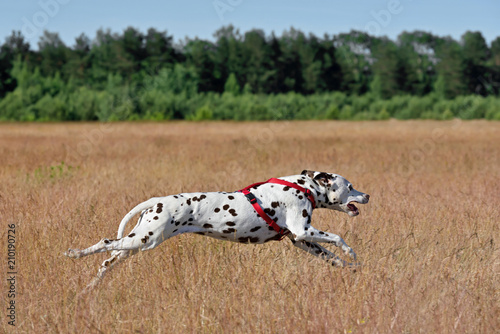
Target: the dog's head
(336, 192)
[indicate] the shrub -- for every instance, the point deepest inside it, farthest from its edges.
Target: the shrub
(202, 114)
(346, 113)
(447, 115)
(332, 113)
(49, 108)
(383, 115)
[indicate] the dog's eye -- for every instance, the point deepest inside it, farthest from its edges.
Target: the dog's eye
(350, 187)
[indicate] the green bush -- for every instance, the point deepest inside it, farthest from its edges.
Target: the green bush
(49, 108)
(163, 99)
(332, 113)
(202, 114)
(346, 113)
(383, 115)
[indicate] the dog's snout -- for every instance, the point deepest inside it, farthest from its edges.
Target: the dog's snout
(367, 196)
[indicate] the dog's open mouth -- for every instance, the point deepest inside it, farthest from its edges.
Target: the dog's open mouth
(353, 210)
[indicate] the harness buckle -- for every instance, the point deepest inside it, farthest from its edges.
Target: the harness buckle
(251, 198)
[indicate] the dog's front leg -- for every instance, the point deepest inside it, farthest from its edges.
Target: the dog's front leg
(310, 234)
(321, 252)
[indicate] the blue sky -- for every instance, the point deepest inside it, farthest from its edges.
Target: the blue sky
(201, 18)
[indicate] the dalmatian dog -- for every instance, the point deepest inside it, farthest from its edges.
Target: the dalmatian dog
(230, 216)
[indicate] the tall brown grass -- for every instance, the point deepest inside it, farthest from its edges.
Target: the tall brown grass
(428, 239)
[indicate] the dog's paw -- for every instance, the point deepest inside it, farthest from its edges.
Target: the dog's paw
(350, 252)
(72, 253)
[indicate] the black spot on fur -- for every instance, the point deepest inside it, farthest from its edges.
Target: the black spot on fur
(174, 230)
(188, 201)
(229, 230)
(208, 225)
(106, 263)
(248, 239)
(304, 213)
(230, 223)
(286, 188)
(255, 229)
(150, 233)
(233, 212)
(175, 196)
(275, 237)
(225, 207)
(155, 217)
(131, 235)
(301, 197)
(216, 210)
(275, 204)
(301, 181)
(200, 233)
(230, 197)
(203, 197)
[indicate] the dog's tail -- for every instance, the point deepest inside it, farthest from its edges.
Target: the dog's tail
(139, 208)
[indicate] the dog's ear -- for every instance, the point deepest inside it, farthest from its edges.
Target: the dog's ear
(323, 178)
(309, 173)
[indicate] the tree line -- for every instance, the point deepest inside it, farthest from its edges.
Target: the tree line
(251, 75)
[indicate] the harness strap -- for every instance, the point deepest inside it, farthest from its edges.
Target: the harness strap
(306, 191)
(253, 200)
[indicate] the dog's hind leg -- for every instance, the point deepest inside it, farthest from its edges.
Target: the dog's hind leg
(117, 257)
(99, 247)
(321, 252)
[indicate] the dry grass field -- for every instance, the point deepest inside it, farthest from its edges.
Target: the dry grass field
(428, 239)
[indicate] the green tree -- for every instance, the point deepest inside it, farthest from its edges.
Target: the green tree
(15, 47)
(418, 60)
(353, 51)
(53, 52)
(449, 68)
(158, 51)
(475, 54)
(385, 68)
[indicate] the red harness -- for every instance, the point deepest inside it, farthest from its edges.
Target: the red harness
(253, 200)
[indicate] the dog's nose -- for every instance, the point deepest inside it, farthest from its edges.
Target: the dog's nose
(367, 197)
